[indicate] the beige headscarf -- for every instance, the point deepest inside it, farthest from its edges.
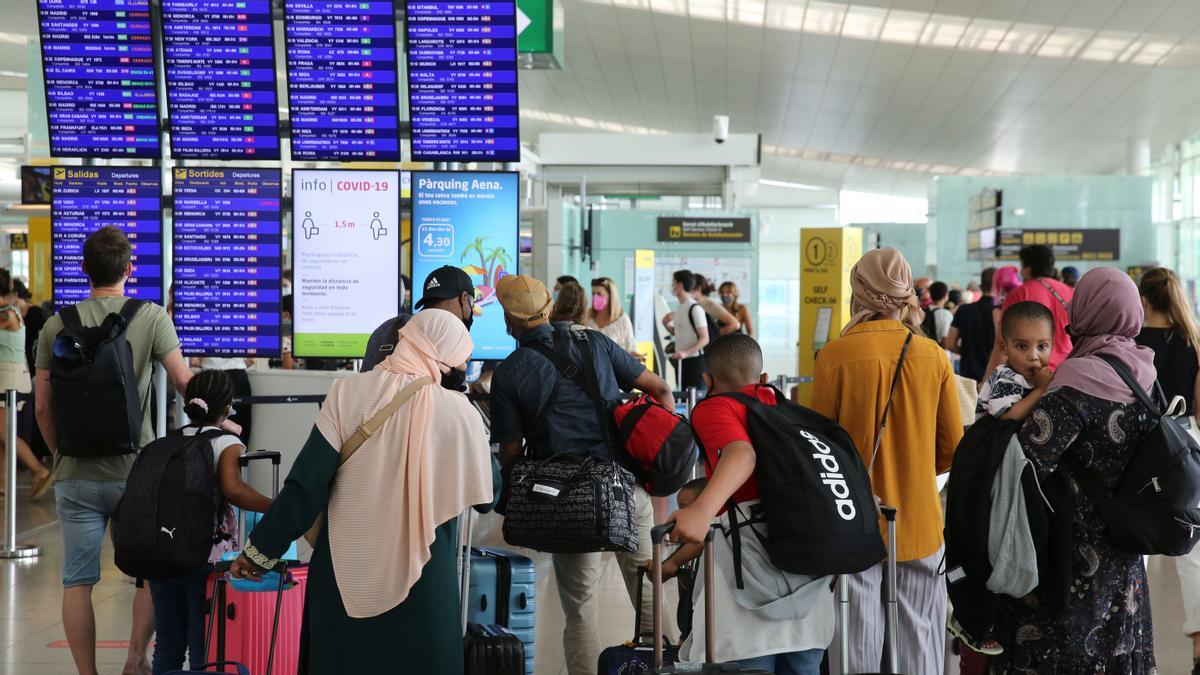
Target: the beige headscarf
(423, 467)
(881, 282)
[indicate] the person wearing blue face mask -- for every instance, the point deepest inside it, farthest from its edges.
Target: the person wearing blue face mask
(564, 280)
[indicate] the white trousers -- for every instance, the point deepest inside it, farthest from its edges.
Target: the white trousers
(578, 578)
(921, 609)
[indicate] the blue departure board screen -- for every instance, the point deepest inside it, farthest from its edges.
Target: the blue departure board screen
(98, 62)
(87, 198)
(227, 247)
(342, 83)
(220, 63)
(462, 78)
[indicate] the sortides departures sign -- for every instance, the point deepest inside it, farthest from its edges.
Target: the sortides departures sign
(826, 256)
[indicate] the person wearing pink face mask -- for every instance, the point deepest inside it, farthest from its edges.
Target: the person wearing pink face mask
(607, 316)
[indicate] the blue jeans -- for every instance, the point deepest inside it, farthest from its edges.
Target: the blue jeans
(84, 508)
(791, 663)
(179, 620)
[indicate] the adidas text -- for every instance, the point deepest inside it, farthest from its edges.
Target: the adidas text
(832, 477)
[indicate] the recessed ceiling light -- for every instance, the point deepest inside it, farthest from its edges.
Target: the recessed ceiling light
(791, 186)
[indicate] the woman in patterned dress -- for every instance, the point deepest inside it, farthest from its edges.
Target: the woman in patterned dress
(1090, 413)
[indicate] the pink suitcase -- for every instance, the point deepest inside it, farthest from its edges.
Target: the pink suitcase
(243, 627)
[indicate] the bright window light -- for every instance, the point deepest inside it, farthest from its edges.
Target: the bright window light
(793, 186)
(1064, 43)
(869, 207)
(824, 18)
(944, 31)
(1107, 46)
(904, 27)
(864, 23)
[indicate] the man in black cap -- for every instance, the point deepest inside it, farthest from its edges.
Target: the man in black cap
(446, 288)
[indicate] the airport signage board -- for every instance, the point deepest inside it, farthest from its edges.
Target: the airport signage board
(470, 220)
(220, 67)
(346, 258)
(707, 230)
(227, 242)
(343, 93)
(98, 64)
(87, 198)
(1087, 245)
(462, 76)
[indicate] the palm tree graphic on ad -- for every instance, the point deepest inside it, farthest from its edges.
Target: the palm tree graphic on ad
(493, 266)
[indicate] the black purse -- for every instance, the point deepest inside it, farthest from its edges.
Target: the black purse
(570, 503)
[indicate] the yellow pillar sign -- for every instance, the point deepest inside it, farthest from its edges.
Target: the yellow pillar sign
(39, 258)
(643, 294)
(826, 256)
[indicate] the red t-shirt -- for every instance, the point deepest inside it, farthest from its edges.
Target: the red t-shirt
(719, 421)
(1034, 291)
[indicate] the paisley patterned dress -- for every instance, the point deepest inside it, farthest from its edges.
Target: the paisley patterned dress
(1107, 628)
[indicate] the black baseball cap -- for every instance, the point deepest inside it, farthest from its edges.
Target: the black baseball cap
(445, 283)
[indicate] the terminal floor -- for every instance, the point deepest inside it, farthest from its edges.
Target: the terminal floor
(31, 635)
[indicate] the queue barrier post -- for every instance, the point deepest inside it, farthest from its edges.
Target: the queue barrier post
(11, 548)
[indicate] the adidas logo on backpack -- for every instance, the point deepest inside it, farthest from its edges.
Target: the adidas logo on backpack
(832, 476)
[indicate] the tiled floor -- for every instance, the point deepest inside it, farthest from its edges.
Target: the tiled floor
(30, 593)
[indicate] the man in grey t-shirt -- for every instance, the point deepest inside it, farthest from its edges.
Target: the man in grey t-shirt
(87, 490)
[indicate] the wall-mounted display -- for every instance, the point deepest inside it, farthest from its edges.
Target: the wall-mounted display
(342, 83)
(220, 69)
(462, 78)
(98, 63)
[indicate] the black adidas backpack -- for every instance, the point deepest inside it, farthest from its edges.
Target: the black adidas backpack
(817, 501)
(167, 521)
(96, 402)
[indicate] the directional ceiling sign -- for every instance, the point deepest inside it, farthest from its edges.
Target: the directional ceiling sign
(535, 26)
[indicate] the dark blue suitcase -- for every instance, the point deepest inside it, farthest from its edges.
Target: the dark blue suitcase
(503, 587)
(637, 655)
(492, 650)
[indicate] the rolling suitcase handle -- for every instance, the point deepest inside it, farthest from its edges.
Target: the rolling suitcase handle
(221, 569)
(657, 534)
(464, 565)
(891, 659)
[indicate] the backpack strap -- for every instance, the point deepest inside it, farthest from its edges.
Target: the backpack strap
(888, 406)
(70, 317)
(692, 323)
(130, 309)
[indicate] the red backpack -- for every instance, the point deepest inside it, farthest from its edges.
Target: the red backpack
(660, 443)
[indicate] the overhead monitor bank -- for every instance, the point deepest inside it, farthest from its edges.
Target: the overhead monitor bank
(469, 220)
(346, 258)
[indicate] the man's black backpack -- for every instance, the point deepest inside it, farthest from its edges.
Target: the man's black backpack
(96, 402)
(817, 501)
(166, 522)
(714, 329)
(1154, 508)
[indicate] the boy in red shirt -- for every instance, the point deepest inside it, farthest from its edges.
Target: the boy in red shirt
(791, 645)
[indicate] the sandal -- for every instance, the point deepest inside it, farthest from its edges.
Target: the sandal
(41, 484)
(987, 646)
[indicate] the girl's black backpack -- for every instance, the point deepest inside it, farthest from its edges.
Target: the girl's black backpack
(166, 522)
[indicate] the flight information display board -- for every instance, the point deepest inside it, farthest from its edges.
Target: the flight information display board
(345, 257)
(98, 63)
(87, 198)
(462, 77)
(342, 83)
(470, 220)
(220, 63)
(227, 247)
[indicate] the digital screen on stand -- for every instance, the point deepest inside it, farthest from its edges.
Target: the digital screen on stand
(469, 220)
(98, 63)
(345, 257)
(88, 198)
(227, 245)
(462, 76)
(220, 67)
(342, 82)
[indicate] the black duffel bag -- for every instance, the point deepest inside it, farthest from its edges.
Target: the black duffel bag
(570, 505)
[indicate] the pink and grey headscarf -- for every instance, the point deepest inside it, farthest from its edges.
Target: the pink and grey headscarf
(1106, 314)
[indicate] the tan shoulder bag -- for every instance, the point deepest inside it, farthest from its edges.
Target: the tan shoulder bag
(360, 436)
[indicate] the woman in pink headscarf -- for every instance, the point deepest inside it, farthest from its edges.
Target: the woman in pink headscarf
(382, 583)
(1089, 421)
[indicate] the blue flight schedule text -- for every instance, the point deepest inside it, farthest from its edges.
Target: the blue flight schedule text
(227, 245)
(342, 82)
(462, 76)
(98, 62)
(220, 66)
(87, 198)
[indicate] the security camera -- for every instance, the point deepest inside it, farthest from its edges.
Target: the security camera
(720, 128)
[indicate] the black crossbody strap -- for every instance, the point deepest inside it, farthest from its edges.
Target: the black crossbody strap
(584, 378)
(130, 309)
(70, 317)
(1132, 383)
(888, 406)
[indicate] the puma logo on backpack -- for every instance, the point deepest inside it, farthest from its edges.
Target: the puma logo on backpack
(170, 532)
